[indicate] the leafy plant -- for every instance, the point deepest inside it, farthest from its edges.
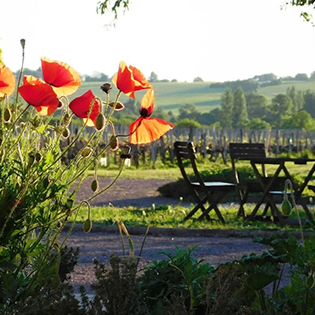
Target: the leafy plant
(44, 162)
(180, 277)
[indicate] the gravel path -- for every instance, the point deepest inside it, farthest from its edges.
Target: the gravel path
(128, 192)
(142, 193)
(214, 250)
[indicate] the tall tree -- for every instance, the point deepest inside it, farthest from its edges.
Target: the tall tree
(226, 108)
(239, 113)
(309, 102)
(297, 98)
(281, 108)
(256, 106)
(153, 77)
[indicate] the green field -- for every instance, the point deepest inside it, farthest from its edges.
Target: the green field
(172, 95)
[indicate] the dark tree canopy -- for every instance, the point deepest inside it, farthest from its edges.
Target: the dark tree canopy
(116, 5)
(108, 6)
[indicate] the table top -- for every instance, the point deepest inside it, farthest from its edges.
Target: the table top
(276, 160)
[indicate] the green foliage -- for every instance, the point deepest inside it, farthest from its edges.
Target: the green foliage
(257, 106)
(227, 100)
(301, 120)
(117, 290)
(107, 6)
(239, 112)
(309, 102)
(258, 124)
(179, 276)
(248, 85)
(281, 107)
(187, 123)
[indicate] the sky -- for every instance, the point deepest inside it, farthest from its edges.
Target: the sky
(176, 39)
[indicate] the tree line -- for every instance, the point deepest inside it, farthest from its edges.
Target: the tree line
(241, 105)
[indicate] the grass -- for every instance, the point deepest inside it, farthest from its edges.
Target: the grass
(173, 171)
(173, 217)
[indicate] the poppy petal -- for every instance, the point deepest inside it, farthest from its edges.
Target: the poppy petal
(63, 78)
(7, 81)
(147, 103)
(141, 83)
(123, 79)
(146, 130)
(81, 107)
(130, 79)
(39, 94)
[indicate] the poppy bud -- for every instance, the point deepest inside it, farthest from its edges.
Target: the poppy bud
(106, 87)
(69, 203)
(7, 115)
(286, 207)
(100, 121)
(86, 152)
(113, 143)
(118, 105)
(87, 225)
(58, 129)
(94, 185)
(125, 152)
(36, 121)
(38, 157)
(66, 133)
(66, 119)
(31, 160)
(22, 41)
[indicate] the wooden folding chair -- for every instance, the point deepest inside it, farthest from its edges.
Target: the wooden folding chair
(246, 151)
(203, 192)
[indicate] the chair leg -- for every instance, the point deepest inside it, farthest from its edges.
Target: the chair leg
(243, 195)
(213, 205)
(200, 205)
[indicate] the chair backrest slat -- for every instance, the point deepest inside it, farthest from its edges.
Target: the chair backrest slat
(243, 150)
(246, 150)
(185, 151)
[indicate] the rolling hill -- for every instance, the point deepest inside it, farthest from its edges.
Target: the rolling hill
(172, 95)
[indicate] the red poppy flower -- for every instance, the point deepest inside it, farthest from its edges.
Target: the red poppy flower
(130, 79)
(63, 78)
(7, 81)
(39, 94)
(81, 107)
(145, 129)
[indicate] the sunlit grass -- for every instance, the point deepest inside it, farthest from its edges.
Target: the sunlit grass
(173, 217)
(169, 171)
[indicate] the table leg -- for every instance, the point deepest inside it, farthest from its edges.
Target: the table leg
(299, 190)
(266, 189)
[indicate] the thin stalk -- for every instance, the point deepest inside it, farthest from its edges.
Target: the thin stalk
(20, 77)
(142, 246)
(111, 184)
(8, 135)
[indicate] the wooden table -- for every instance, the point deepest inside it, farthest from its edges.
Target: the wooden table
(282, 164)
